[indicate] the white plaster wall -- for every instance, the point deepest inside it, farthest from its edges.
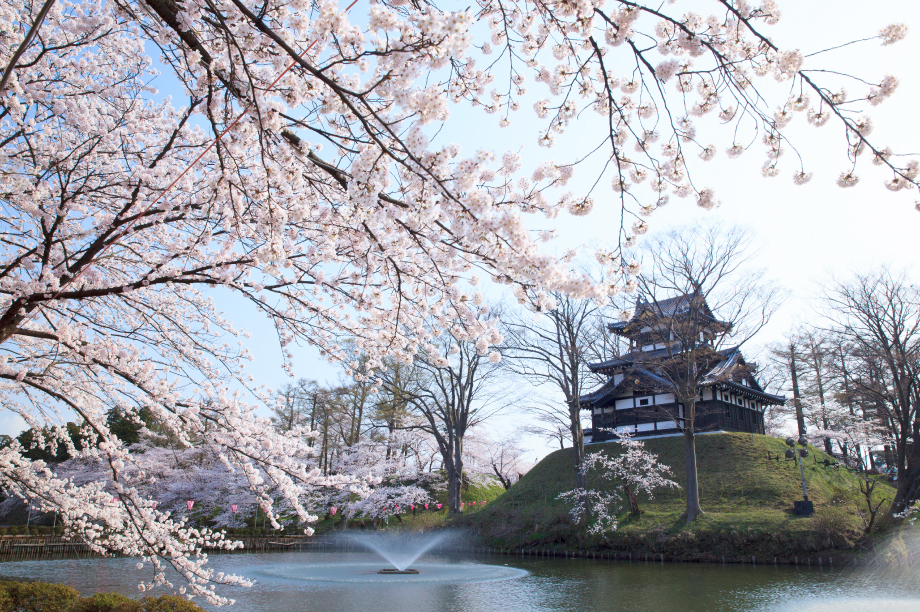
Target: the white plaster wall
(622, 404)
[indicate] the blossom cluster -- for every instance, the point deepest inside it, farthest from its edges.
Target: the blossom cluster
(653, 75)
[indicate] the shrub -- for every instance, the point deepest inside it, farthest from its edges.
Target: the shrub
(6, 602)
(167, 603)
(3, 531)
(40, 597)
(44, 597)
(833, 520)
(14, 530)
(107, 602)
(42, 530)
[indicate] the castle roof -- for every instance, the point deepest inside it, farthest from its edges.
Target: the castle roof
(639, 375)
(647, 312)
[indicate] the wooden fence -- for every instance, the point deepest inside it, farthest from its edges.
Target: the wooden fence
(23, 548)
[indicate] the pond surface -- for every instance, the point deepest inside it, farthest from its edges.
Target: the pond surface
(344, 582)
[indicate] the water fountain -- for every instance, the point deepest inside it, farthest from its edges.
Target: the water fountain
(404, 552)
(401, 551)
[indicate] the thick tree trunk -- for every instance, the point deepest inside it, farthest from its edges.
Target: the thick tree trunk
(692, 486)
(578, 442)
(453, 493)
(816, 363)
(908, 463)
(631, 498)
(578, 449)
(455, 479)
(796, 397)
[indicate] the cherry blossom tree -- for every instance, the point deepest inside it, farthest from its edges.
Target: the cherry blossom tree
(171, 477)
(387, 483)
(125, 215)
(617, 476)
(506, 458)
(849, 429)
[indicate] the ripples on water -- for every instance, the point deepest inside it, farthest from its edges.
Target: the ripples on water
(344, 582)
(363, 573)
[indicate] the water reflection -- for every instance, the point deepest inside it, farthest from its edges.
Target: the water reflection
(512, 584)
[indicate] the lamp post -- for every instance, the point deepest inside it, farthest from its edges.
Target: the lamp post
(805, 507)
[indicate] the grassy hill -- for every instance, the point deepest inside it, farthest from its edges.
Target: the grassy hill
(747, 499)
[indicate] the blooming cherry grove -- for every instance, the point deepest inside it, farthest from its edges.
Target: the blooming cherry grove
(387, 478)
(124, 216)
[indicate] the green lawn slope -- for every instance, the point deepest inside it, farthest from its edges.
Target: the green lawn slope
(747, 499)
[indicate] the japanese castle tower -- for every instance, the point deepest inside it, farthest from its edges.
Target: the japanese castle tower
(638, 396)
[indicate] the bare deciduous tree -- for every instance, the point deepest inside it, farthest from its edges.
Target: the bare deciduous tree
(787, 356)
(550, 422)
(452, 394)
(879, 314)
(707, 268)
(550, 349)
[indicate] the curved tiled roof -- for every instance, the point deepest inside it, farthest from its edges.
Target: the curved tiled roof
(663, 309)
(719, 376)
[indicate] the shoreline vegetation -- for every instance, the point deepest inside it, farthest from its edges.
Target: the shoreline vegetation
(747, 490)
(24, 595)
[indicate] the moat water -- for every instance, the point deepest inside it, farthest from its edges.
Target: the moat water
(347, 581)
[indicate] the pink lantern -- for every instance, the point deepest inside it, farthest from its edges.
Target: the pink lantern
(411, 506)
(333, 510)
(439, 506)
(234, 508)
(426, 506)
(482, 503)
(189, 503)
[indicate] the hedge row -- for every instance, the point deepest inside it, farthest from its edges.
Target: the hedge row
(45, 597)
(31, 530)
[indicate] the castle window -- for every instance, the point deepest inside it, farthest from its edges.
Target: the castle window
(644, 401)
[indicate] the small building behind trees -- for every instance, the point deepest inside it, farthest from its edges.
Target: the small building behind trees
(673, 344)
